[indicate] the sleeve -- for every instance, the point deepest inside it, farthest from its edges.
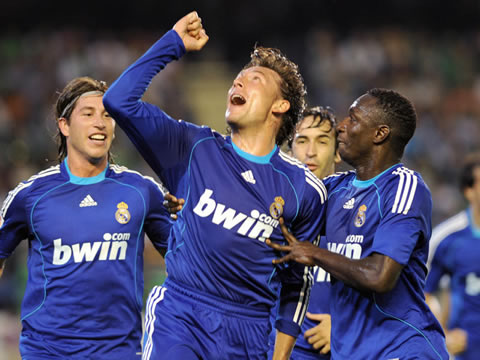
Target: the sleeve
(297, 279)
(406, 220)
(13, 221)
(439, 266)
(158, 222)
(162, 141)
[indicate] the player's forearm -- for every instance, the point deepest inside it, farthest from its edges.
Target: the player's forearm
(2, 266)
(283, 346)
(122, 98)
(376, 272)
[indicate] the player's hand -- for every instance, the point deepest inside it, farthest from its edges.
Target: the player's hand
(173, 205)
(456, 340)
(319, 335)
(299, 251)
(191, 31)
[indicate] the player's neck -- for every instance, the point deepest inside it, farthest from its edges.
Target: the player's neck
(82, 167)
(254, 141)
(475, 215)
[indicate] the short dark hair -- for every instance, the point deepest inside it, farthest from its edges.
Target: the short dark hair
(292, 86)
(399, 114)
(66, 102)
(320, 116)
(467, 178)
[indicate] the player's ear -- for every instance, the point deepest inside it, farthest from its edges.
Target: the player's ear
(381, 134)
(281, 106)
(63, 126)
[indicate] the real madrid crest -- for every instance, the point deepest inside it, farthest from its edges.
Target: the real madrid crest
(276, 208)
(122, 215)
(360, 217)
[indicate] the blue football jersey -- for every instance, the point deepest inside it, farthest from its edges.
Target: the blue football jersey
(391, 215)
(319, 304)
(84, 292)
(457, 256)
(233, 200)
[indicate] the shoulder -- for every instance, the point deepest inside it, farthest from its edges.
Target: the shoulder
(135, 178)
(449, 228)
(23, 187)
(405, 189)
(300, 176)
(333, 181)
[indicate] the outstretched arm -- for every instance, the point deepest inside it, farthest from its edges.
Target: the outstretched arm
(375, 272)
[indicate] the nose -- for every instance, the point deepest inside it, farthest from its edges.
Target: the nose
(311, 149)
(237, 83)
(99, 121)
(341, 126)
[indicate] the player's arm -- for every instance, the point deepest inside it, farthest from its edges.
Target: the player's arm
(161, 140)
(284, 344)
(157, 222)
(296, 278)
(375, 272)
(2, 266)
(13, 223)
(438, 298)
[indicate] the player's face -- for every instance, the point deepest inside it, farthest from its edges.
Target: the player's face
(357, 130)
(315, 146)
(90, 131)
(252, 96)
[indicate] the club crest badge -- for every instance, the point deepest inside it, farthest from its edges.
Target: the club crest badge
(360, 217)
(122, 215)
(276, 208)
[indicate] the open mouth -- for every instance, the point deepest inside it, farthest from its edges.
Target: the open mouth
(237, 99)
(98, 137)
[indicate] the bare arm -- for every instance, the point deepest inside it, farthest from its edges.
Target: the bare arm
(375, 272)
(283, 346)
(2, 266)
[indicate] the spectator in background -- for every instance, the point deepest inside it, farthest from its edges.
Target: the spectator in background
(456, 253)
(85, 221)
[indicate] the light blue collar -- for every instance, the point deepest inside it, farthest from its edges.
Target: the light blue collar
(77, 180)
(253, 158)
(475, 229)
(367, 183)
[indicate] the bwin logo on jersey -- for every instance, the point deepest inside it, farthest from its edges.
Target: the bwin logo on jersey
(87, 251)
(256, 226)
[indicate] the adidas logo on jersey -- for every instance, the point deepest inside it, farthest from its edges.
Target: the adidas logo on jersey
(88, 201)
(349, 204)
(248, 176)
(256, 226)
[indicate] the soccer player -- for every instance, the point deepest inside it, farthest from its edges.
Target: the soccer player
(84, 220)
(314, 144)
(378, 225)
(457, 255)
(221, 284)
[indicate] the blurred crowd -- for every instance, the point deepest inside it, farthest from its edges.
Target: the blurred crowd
(439, 72)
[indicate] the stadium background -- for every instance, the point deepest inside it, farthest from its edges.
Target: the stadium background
(430, 52)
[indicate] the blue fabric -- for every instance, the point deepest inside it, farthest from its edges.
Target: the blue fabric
(232, 204)
(390, 216)
(457, 255)
(83, 297)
